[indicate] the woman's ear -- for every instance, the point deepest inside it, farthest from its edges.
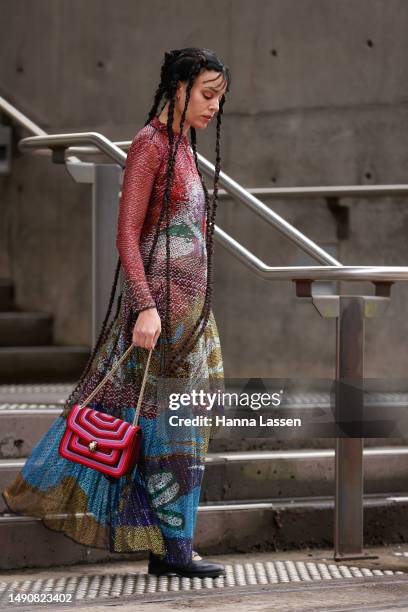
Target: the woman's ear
(181, 89)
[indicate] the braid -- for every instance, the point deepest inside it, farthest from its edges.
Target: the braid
(157, 97)
(105, 330)
(165, 209)
(169, 183)
(103, 334)
(188, 344)
(169, 176)
(196, 59)
(164, 80)
(168, 86)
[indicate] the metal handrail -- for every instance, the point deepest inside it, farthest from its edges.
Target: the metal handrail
(328, 272)
(336, 271)
(323, 191)
(350, 312)
(26, 122)
(311, 273)
(63, 141)
(115, 152)
(20, 118)
(110, 149)
(326, 191)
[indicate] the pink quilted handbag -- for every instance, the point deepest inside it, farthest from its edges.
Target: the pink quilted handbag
(102, 441)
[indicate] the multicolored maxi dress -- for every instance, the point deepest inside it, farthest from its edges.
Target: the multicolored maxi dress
(155, 507)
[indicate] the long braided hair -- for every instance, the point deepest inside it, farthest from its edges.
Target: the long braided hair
(185, 65)
(178, 65)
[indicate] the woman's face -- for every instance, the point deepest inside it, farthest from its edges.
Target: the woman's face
(205, 95)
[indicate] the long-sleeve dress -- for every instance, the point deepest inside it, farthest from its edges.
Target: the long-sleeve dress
(155, 507)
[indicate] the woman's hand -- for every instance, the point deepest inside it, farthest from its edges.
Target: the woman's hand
(147, 328)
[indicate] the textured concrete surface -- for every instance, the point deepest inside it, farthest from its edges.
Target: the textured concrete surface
(374, 593)
(318, 105)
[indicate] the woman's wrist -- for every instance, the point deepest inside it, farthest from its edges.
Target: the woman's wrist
(145, 309)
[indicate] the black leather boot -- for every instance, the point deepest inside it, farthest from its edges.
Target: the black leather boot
(193, 569)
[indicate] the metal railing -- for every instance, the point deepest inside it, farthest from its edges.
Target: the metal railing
(350, 310)
(59, 143)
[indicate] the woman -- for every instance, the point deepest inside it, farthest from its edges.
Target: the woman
(165, 244)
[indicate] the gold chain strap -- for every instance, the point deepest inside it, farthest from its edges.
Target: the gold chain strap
(109, 374)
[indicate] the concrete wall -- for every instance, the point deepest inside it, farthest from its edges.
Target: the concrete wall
(318, 97)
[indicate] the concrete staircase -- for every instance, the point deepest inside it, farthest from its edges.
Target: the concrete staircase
(257, 493)
(27, 353)
(253, 497)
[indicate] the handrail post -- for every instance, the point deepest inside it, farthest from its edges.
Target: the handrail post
(105, 206)
(350, 312)
(348, 506)
(106, 182)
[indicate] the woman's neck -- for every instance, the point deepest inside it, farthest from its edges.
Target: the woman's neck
(176, 120)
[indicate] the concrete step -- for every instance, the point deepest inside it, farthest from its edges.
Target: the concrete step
(285, 524)
(20, 429)
(258, 444)
(6, 294)
(33, 364)
(277, 474)
(297, 473)
(23, 422)
(297, 579)
(25, 328)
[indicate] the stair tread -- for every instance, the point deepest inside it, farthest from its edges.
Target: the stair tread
(272, 503)
(298, 454)
(263, 455)
(297, 502)
(306, 399)
(23, 314)
(43, 348)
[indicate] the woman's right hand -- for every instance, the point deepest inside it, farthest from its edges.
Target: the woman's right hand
(147, 328)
